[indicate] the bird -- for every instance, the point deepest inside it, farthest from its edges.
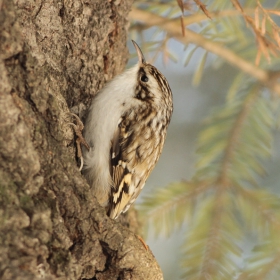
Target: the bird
(125, 130)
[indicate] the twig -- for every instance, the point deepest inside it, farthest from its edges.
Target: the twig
(195, 18)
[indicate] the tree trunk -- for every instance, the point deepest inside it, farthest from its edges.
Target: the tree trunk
(54, 56)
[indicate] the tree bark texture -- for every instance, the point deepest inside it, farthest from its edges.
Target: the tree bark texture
(54, 56)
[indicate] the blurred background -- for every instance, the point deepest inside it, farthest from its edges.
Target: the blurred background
(211, 207)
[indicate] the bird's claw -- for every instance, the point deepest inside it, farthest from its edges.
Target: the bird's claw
(78, 128)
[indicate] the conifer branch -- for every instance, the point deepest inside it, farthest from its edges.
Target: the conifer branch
(264, 272)
(173, 29)
(212, 244)
(166, 200)
(234, 135)
(260, 206)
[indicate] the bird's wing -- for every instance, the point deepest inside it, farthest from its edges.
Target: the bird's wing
(133, 156)
(121, 174)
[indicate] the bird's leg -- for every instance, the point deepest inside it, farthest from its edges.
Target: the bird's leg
(78, 128)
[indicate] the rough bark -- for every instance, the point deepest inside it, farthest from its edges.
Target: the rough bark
(54, 56)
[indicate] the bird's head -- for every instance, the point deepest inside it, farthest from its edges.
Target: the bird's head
(151, 85)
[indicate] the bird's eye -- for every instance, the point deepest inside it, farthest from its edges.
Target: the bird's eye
(144, 78)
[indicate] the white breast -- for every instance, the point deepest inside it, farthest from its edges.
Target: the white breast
(102, 120)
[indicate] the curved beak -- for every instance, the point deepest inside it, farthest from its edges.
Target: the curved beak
(141, 57)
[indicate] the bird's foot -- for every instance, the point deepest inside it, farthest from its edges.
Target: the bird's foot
(78, 128)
